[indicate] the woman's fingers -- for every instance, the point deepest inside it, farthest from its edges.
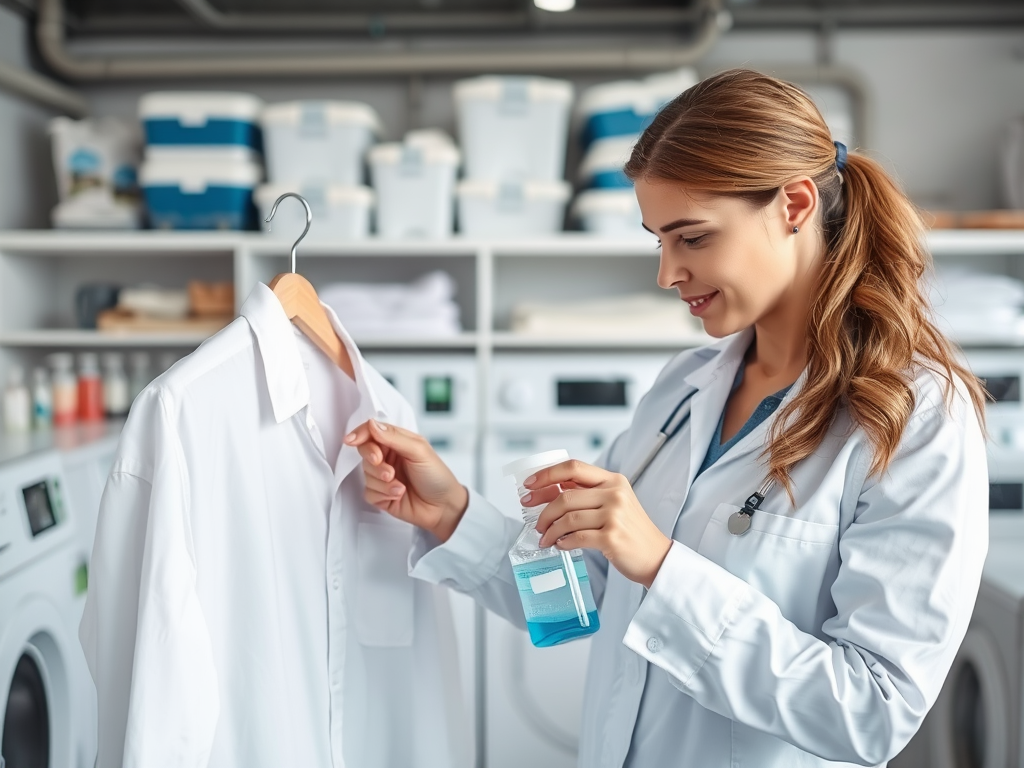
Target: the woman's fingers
(568, 505)
(573, 471)
(388, 437)
(387, 488)
(572, 523)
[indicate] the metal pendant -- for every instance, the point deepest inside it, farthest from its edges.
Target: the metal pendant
(739, 523)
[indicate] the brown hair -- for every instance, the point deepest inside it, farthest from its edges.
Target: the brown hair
(744, 134)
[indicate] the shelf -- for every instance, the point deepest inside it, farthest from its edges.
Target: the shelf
(146, 243)
(467, 340)
(508, 340)
(73, 337)
(976, 242)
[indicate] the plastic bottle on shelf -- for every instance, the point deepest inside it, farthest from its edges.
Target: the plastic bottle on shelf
(65, 389)
(90, 388)
(554, 586)
(139, 377)
(42, 400)
(115, 385)
(17, 402)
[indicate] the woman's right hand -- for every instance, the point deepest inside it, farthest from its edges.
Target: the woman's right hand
(407, 479)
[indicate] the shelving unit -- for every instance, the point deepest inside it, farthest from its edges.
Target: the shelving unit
(41, 270)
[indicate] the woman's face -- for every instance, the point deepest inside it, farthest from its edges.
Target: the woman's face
(734, 264)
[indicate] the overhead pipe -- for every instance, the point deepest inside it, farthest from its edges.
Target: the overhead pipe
(51, 41)
(42, 90)
(439, 21)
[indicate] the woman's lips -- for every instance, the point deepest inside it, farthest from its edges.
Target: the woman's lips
(700, 304)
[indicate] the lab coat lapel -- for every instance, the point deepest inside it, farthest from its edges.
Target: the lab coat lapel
(713, 384)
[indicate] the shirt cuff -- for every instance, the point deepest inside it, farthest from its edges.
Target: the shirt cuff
(473, 554)
(690, 605)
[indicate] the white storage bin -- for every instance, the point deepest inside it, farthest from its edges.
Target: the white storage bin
(512, 209)
(602, 165)
(201, 118)
(318, 141)
(207, 192)
(613, 212)
(513, 128)
(339, 212)
(626, 107)
(415, 186)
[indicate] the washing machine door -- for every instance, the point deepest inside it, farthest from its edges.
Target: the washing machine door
(35, 689)
(970, 727)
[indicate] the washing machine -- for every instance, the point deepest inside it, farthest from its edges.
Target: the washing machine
(49, 497)
(442, 389)
(539, 402)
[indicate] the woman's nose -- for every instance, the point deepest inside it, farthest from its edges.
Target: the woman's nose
(669, 274)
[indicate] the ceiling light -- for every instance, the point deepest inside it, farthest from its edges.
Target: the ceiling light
(555, 5)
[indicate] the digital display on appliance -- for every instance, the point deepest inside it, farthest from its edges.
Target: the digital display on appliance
(611, 394)
(1004, 389)
(437, 394)
(1005, 496)
(39, 507)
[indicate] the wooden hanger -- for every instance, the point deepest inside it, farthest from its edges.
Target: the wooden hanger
(302, 305)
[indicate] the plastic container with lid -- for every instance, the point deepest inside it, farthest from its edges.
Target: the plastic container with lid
(65, 388)
(527, 209)
(513, 128)
(602, 165)
(626, 107)
(190, 192)
(609, 212)
(554, 586)
(339, 212)
(201, 118)
(318, 141)
(90, 388)
(415, 186)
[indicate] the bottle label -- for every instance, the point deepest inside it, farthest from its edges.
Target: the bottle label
(546, 582)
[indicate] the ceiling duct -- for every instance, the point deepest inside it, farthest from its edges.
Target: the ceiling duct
(710, 22)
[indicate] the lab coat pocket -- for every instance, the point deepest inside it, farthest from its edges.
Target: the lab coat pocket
(785, 558)
(384, 596)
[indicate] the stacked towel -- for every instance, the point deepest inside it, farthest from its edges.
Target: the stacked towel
(425, 307)
(977, 307)
(642, 315)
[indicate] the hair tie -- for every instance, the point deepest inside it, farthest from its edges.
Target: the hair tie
(840, 155)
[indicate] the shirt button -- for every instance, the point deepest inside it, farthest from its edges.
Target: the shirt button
(654, 645)
(337, 583)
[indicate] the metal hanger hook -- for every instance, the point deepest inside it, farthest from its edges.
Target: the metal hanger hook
(309, 219)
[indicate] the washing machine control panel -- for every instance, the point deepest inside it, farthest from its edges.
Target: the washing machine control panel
(33, 513)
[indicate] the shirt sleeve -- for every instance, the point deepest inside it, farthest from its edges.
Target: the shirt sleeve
(910, 570)
(143, 633)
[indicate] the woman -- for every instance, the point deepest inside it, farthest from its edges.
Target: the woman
(817, 628)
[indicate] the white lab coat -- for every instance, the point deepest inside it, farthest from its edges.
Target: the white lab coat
(820, 638)
(246, 606)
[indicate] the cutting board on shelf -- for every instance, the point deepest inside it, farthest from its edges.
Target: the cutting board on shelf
(1001, 219)
(120, 321)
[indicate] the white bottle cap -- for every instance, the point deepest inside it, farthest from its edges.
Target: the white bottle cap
(523, 468)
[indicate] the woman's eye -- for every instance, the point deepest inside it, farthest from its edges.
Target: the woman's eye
(693, 240)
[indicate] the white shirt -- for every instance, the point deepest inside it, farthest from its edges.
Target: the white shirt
(819, 638)
(246, 606)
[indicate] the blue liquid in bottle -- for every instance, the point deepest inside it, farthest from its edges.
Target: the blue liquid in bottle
(556, 610)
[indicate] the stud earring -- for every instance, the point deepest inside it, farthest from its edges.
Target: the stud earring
(795, 230)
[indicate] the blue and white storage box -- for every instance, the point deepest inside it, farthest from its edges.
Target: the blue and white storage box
(175, 119)
(204, 191)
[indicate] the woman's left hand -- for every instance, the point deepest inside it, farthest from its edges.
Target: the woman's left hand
(597, 511)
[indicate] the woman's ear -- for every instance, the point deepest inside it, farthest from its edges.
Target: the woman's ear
(800, 200)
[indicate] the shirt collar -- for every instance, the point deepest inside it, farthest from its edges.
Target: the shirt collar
(726, 353)
(282, 363)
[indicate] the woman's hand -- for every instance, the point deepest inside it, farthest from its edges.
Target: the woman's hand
(406, 478)
(598, 511)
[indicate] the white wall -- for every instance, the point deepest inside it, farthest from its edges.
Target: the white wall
(941, 99)
(27, 187)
